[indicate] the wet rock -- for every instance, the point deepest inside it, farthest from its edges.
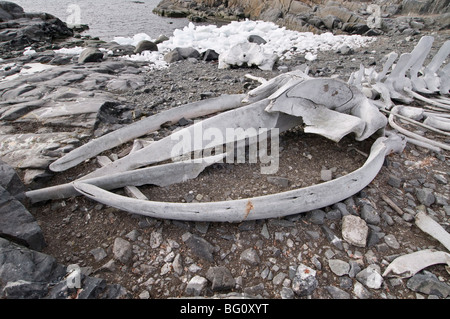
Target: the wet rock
(256, 39)
(354, 230)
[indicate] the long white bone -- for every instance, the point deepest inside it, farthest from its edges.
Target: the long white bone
(270, 206)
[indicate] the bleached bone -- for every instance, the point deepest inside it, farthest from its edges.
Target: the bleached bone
(432, 228)
(440, 123)
(270, 206)
(160, 175)
(431, 76)
(415, 136)
(314, 110)
(247, 54)
(408, 265)
(444, 76)
(145, 126)
(418, 56)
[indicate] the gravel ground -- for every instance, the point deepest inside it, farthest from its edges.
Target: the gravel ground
(163, 259)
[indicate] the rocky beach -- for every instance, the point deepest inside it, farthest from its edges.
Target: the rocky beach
(53, 102)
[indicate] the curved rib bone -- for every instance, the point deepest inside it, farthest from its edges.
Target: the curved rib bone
(270, 206)
(145, 126)
(161, 175)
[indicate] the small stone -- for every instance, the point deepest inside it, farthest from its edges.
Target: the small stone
(304, 282)
(370, 277)
(316, 216)
(429, 284)
(391, 241)
(440, 179)
(370, 215)
(250, 256)
(155, 239)
(98, 253)
(221, 278)
(354, 230)
(122, 250)
(144, 295)
(361, 292)
(133, 235)
(279, 181)
(196, 285)
(339, 267)
(337, 293)
(326, 175)
(425, 196)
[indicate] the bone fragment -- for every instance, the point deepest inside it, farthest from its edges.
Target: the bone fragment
(270, 206)
(408, 265)
(431, 227)
(145, 126)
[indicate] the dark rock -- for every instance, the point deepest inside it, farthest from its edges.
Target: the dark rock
(316, 216)
(10, 181)
(17, 224)
(250, 256)
(332, 238)
(145, 45)
(187, 53)
(429, 284)
(90, 55)
(425, 196)
(370, 215)
(304, 282)
(210, 55)
(256, 39)
(221, 278)
(279, 181)
(200, 248)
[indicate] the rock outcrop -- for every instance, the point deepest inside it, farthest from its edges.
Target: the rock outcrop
(315, 16)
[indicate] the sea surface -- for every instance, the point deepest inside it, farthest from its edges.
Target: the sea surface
(108, 18)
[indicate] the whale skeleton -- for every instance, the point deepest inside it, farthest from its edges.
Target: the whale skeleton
(325, 106)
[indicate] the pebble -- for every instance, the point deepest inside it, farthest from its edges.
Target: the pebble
(250, 256)
(196, 285)
(304, 282)
(370, 277)
(339, 267)
(354, 230)
(122, 250)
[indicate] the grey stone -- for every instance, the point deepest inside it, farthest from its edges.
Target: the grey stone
(334, 214)
(316, 216)
(145, 45)
(220, 278)
(287, 293)
(395, 181)
(279, 181)
(370, 277)
(256, 39)
(332, 238)
(155, 239)
(326, 175)
(173, 56)
(425, 196)
(339, 267)
(90, 55)
(187, 53)
(18, 224)
(304, 282)
(99, 253)
(10, 181)
(122, 250)
(196, 285)
(354, 230)
(361, 292)
(200, 247)
(133, 235)
(210, 55)
(250, 256)
(428, 283)
(370, 215)
(391, 241)
(337, 293)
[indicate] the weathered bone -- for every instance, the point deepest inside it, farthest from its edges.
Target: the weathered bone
(161, 175)
(408, 265)
(431, 227)
(145, 126)
(270, 206)
(431, 76)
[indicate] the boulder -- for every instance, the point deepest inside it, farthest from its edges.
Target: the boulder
(145, 45)
(90, 55)
(17, 224)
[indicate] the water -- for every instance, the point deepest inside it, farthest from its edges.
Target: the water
(109, 18)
